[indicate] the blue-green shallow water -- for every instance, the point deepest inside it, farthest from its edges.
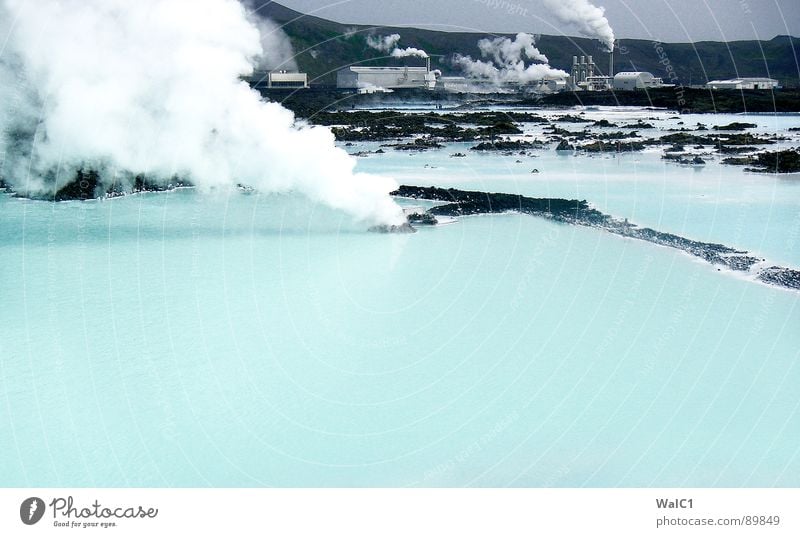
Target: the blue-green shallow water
(187, 340)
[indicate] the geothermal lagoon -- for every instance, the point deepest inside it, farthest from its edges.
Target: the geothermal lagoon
(232, 338)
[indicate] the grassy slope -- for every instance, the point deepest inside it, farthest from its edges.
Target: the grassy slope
(693, 62)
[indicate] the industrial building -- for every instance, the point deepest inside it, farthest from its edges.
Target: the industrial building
(581, 71)
(546, 85)
(744, 83)
(586, 76)
(633, 80)
(599, 83)
(453, 84)
(385, 77)
(285, 79)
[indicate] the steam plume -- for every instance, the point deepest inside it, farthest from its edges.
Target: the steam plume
(389, 44)
(507, 61)
(383, 44)
(587, 18)
(153, 87)
(408, 52)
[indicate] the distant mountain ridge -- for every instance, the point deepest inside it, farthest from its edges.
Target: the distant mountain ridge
(323, 46)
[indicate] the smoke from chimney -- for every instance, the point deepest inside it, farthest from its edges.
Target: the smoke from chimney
(587, 18)
(389, 44)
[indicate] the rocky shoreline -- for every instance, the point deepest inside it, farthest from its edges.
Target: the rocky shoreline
(503, 132)
(579, 212)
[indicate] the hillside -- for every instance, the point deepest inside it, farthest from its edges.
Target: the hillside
(323, 46)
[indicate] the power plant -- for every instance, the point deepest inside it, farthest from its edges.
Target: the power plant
(584, 75)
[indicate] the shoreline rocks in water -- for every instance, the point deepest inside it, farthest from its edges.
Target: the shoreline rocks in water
(579, 212)
(507, 145)
(780, 276)
(786, 161)
(87, 185)
(384, 228)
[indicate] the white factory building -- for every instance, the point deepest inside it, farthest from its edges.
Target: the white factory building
(744, 83)
(453, 84)
(385, 77)
(585, 74)
(581, 71)
(285, 79)
(633, 80)
(546, 85)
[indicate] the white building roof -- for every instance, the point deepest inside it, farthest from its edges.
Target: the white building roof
(633, 74)
(356, 69)
(742, 80)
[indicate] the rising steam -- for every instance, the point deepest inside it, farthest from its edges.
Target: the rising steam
(389, 44)
(383, 43)
(153, 88)
(508, 61)
(587, 18)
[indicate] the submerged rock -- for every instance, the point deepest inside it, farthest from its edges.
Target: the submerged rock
(564, 145)
(506, 145)
(425, 219)
(621, 146)
(384, 228)
(735, 126)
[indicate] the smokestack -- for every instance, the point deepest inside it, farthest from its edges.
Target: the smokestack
(611, 62)
(428, 63)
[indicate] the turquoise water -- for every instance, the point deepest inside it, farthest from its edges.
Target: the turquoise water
(183, 339)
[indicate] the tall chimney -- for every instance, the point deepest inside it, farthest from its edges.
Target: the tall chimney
(428, 63)
(611, 62)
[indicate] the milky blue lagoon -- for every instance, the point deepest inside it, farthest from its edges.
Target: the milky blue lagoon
(226, 339)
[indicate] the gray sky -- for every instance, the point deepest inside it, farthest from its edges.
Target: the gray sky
(666, 20)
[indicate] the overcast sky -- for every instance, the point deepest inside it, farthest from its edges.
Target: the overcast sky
(665, 20)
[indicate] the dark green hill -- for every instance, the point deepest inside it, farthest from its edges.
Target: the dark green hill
(323, 46)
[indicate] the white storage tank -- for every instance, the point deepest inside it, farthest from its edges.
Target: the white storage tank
(633, 80)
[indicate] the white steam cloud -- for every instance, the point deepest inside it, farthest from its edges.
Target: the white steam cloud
(276, 49)
(383, 44)
(153, 88)
(408, 52)
(507, 61)
(587, 18)
(389, 44)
